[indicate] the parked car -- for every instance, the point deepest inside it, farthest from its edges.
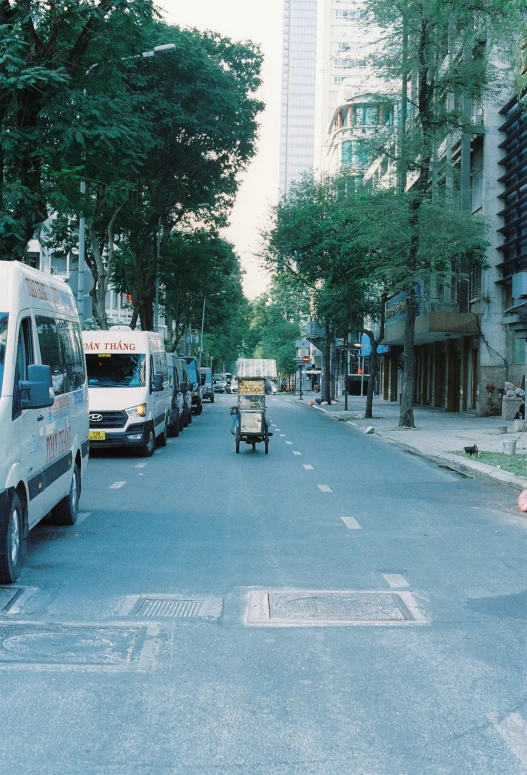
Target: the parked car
(127, 388)
(43, 408)
(219, 385)
(186, 387)
(177, 408)
(195, 379)
(207, 389)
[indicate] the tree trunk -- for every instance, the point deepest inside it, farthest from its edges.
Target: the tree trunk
(374, 367)
(135, 316)
(146, 313)
(406, 417)
(327, 367)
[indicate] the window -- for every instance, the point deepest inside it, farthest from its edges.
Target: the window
(355, 152)
(475, 283)
(24, 356)
(3, 341)
(115, 370)
(61, 350)
(519, 350)
(365, 115)
(347, 15)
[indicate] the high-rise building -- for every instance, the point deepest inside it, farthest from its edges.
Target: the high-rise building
(299, 48)
(346, 39)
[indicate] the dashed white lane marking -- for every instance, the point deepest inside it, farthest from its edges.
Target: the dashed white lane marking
(513, 730)
(116, 485)
(140, 465)
(324, 488)
(277, 429)
(282, 435)
(308, 467)
(351, 523)
(289, 442)
(82, 516)
(296, 453)
(395, 580)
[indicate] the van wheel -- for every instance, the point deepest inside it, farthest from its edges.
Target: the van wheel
(148, 449)
(162, 438)
(181, 422)
(190, 417)
(11, 560)
(185, 419)
(175, 428)
(67, 510)
(212, 400)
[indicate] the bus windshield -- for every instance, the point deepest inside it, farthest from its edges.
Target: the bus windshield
(3, 341)
(116, 370)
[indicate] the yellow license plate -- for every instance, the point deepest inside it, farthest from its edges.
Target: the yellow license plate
(96, 435)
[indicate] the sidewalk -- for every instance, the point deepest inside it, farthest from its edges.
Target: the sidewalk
(438, 434)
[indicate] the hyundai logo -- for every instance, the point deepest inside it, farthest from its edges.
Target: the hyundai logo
(95, 417)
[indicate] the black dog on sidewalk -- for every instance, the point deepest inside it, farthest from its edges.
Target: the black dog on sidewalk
(471, 450)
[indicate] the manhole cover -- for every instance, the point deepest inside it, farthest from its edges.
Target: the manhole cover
(309, 607)
(70, 645)
(361, 606)
(8, 597)
(166, 608)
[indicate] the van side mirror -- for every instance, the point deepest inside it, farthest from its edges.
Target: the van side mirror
(157, 383)
(37, 387)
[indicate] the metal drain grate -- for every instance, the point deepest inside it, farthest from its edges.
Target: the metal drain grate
(170, 609)
(8, 597)
(358, 606)
(321, 607)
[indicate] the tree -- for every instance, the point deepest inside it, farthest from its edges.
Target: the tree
(319, 237)
(444, 50)
(203, 122)
(43, 50)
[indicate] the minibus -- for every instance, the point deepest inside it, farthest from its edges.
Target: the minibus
(43, 408)
(128, 389)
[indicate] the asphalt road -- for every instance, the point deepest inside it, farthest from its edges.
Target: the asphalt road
(337, 607)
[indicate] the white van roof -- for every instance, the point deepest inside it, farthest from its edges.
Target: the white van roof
(22, 286)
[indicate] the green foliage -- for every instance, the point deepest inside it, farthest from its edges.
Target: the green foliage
(42, 58)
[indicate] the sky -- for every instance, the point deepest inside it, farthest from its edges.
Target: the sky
(260, 22)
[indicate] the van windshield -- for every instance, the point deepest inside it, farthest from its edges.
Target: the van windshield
(192, 371)
(3, 342)
(116, 370)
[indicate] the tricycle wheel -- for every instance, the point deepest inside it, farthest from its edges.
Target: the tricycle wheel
(237, 439)
(266, 440)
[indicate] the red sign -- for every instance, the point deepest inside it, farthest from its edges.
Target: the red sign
(306, 359)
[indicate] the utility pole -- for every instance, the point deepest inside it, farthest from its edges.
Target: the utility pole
(82, 231)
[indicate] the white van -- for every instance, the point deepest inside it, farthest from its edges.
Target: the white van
(128, 388)
(43, 408)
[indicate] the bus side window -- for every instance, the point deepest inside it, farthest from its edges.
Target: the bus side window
(24, 356)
